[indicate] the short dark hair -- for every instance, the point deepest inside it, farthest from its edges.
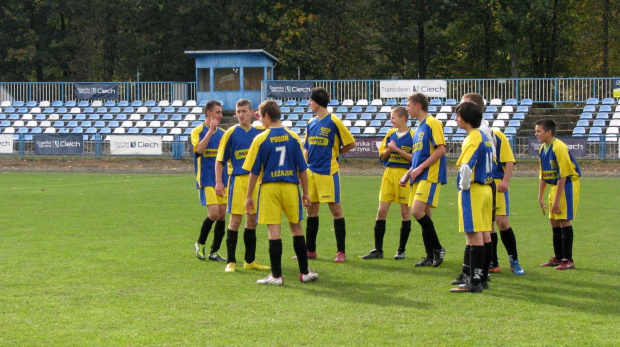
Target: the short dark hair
(470, 113)
(244, 102)
(211, 104)
(320, 96)
(400, 111)
(475, 98)
(421, 99)
(271, 108)
(547, 124)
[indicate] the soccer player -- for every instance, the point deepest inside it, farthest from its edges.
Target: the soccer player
(233, 149)
(395, 153)
(475, 198)
(205, 140)
(559, 169)
(326, 139)
(426, 175)
(276, 157)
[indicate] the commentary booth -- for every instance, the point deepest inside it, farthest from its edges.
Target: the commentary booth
(230, 75)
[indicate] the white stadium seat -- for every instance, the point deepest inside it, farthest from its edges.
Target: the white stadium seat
(496, 102)
(377, 102)
(163, 103)
(177, 103)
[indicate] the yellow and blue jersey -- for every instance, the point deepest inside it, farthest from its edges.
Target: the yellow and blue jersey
(427, 137)
(503, 154)
(477, 153)
(234, 147)
(276, 155)
(556, 162)
(324, 137)
(204, 163)
(404, 142)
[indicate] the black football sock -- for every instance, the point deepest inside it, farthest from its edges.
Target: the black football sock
(494, 260)
(218, 235)
(299, 244)
(426, 237)
(567, 242)
(477, 262)
(379, 233)
(312, 229)
(405, 230)
(510, 243)
(249, 239)
(428, 227)
(557, 243)
(341, 234)
(275, 256)
(204, 231)
(488, 256)
(467, 261)
(231, 245)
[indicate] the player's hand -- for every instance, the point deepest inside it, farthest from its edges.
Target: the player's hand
(213, 125)
(415, 173)
(392, 145)
(219, 189)
(403, 180)
(256, 115)
(502, 187)
(556, 207)
(249, 205)
(305, 200)
(543, 207)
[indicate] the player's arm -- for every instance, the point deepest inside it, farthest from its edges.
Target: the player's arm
(403, 180)
(306, 154)
(249, 201)
(394, 148)
(503, 185)
(202, 145)
(541, 191)
(219, 185)
(345, 149)
(555, 208)
(439, 152)
(305, 197)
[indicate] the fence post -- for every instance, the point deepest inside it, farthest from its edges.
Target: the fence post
(21, 146)
(97, 146)
(602, 147)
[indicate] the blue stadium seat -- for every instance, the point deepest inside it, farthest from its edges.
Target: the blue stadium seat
(596, 131)
(110, 103)
(128, 109)
(80, 116)
(94, 116)
(432, 109)
(32, 104)
(202, 117)
(156, 109)
(136, 103)
(2, 116)
(86, 124)
(113, 124)
(514, 123)
(371, 109)
(183, 109)
(176, 117)
(524, 109)
(99, 124)
(5, 123)
(59, 124)
(102, 110)
(77, 130)
(518, 116)
(57, 103)
(448, 130)
(121, 117)
(196, 123)
(90, 131)
(435, 102)
(602, 116)
(384, 130)
(341, 109)
(598, 123)
(511, 102)
(70, 103)
(351, 116)
(381, 116)
(14, 117)
(63, 131)
(491, 109)
(123, 103)
(148, 117)
(583, 123)
(133, 131)
(48, 110)
(510, 131)
(304, 103)
(301, 124)
(285, 109)
(66, 116)
(162, 117)
(526, 102)
(608, 101)
(450, 102)
(290, 103)
(161, 131)
(40, 117)
(586, 115)
(376, 123)
(18, 103)
(338, 115)
(83, 103)
(147, 131)
(72, 124)
(299, 110)
(9, 110)
(355, 130)
(150, 103)
(187, 131)
(203, 103)
(605, 108)
(592, 101)
(391, 102)
(403, 102)
(22, 110)
(115, 109)
(366, 116)
(169, 109)
(307, 116)
(88, 110)
(107, 117)
(356, 109)
(579, 131)
(388, 123)
(487, 116)
(296, 130)
(293, 117)
(334, 102)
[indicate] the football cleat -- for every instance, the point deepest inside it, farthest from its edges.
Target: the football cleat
(399, 255)
(484, 285)
(311, 255)
(230, 267)
(200, 251)
(516, 268)
(467, 288)
(216, 257)
(552, 262)
(565, 265)
(374, 254)
(340, 257)
(309, 277)
(438, 255)
(425, 262)
(255, 266)
(270, 280)
(460, 279)
(495, 269)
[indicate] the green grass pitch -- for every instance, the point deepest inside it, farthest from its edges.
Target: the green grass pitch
(109, 260)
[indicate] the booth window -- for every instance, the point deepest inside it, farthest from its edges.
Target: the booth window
(252, 78)
(204, 77)
(226, 79)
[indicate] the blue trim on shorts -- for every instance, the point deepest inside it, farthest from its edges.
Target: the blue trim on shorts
(507, 202)
(431, 194)
(231, 187)
(202, 196)
(301, 206)
(468, 221)
(336, 178)
(256, 204)
(568, 193)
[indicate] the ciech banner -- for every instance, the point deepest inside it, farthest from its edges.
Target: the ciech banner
(135, 145)
(96, 90)
(58, 144)
(576, 145)
(289, 89)
(616, 92)
(404, 88)
(6, 143)
(365, 147)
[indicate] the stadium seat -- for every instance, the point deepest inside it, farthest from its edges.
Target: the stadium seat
(183, 109)
(356, 109)
(90, 131)
(99, 124)
(384, 130)
(154, 124)
(147, 131)
(596, 131)
(403, 102)
(77, 130)
(109, 103)
(375, 123)
(32, 123)
(113, 124)
(94, 116)
(107, 117)
(176, 117)
(592, 101)
(164, 103)
(141, 109)
(86, 124)
(301, 124)
(366, 116)
(285, 109)
(611, 135)
(290, 103)
(347, 102)
(155, 109)
(80, 116)
(586, 115)
(514, 123)
(355, 130)
(442, 116)
(371, 109)
(498, 124)
(510, 131)
(496, 102)
(203, 103)
(22, 110)
(188, 131)
(603, 108)
(168, 124)
(338, 115)
(617, 108)
(136, 103)
(161, 117)
(190, 117)
(503, 116)
(602, 116)
(127, 124)
(450, 102)
(299, 110)
(50, 130)
(8, 130)
(334, 102)
(196, 110)
(161, 131)
(128, 109)
(359, 123)
(304, 103)
(293, 117)
(386, 109)
(583, 123)
(511, 102)
(36, 110)
(599, 123)
(608, 101)
(45, 124)
(123, 103)
(508, 109)
(388, 123)
(614, 123)
(307, 117)
(48, 110)
(71, 103)
(452, 123)
(362, 102)
(381, 116)
(446, 109)
(287, 123)
(518, 116)
(18, 103)
(487, 116)
(151, 103)
(32, 104)
(119, 130)
(448, 130)
(391, 102)
(491, 109)
(341, 109)
(133, 131)
(376, 102)
(140, 124)
(183, 124)
(55, 104)
(526, 102)
(346, 122)
(370, 131)
(435, 102)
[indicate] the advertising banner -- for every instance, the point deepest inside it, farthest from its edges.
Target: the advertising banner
(578, 146)
(96, 90)
(404, 88)
(289, 89)
(135, 145)
(58, 144)
(616, 88)
(365, 147)
(6, 143)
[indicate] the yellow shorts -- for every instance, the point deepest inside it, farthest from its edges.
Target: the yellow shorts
(502, 201)
(275, 197)
(324, 188)
(568, 201)
(208, 197)
(237, 193)
(475, 208)
(391, 191)
(425, 191)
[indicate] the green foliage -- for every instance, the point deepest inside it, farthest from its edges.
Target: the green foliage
(91, 259)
